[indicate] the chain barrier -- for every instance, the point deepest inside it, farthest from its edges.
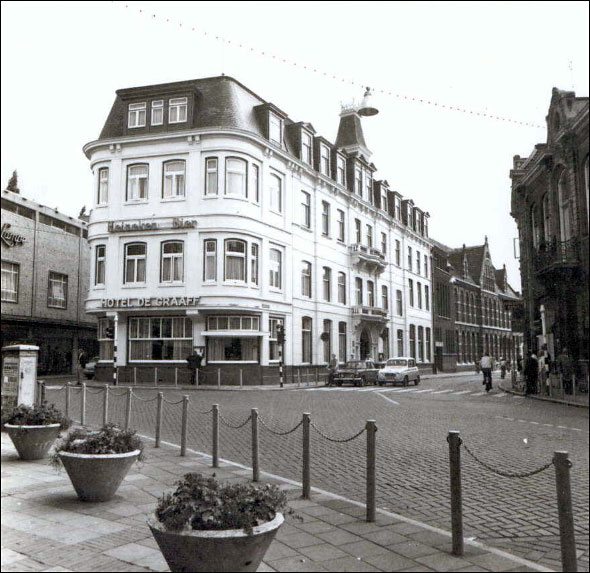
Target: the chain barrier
(229, 425)
(144, 399)
(97, 391)
(113, 393)
(503, 473)
(171, 402)
(203, 413)
(56, 388)
(278, 432)
(337, 440)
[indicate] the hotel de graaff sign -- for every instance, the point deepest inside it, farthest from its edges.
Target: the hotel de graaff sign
(150, 302)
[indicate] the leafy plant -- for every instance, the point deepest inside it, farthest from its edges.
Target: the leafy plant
(110, 439)
(38, 415)
(201, 503)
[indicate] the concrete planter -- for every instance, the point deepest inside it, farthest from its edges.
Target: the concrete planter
(33, 442)
(96, 477)
(229, 550)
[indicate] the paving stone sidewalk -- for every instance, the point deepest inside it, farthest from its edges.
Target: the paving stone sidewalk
(45, 527)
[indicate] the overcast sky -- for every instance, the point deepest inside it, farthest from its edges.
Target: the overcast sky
(63, 61)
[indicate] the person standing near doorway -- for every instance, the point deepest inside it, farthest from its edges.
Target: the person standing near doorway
(193, 361)
(531, 374)
(82, 361)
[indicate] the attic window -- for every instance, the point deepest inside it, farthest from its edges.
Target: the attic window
(465, 268)
(158, 112)
(177, 108)
(137, 112)
(306, 147)
(275, 129)
(324, 160)
(341, 170)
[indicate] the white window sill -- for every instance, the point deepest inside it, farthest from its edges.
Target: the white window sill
(171, 284)
(133, 285)
(101, 205)
(136, 202)
(173, 199)
(99, 287)
(236, 197)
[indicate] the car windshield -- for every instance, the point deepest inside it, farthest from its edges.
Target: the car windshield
(355, 364)
(397, 362)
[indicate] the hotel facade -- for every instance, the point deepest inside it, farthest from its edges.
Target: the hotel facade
(216, 218)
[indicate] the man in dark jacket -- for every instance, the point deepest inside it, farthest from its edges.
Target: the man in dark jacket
(194, 363)
(565, 367)
(531, 373)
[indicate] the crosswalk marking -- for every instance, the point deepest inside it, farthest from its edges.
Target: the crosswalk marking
(462, 392)
(443, 391)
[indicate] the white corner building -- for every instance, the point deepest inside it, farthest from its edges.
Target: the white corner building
(216, 217)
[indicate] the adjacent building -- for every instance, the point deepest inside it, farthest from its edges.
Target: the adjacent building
(45, 275)
(550, 206)
(217, 217)
(475, 308)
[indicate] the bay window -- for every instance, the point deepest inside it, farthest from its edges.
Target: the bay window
(235, 177)
(235, 260)
(99, 264)
(210, 260)
(254, 263)
(137, 182)
(211, 176)
(103, 186)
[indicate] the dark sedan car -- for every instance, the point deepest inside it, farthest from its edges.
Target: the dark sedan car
(356, 372)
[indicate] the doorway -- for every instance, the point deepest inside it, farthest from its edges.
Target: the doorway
(365, 345)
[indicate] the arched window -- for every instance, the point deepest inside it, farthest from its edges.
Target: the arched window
(306, 325)
(135, 262)
(546, 212)
(172, 262)
(235, 260)
(235, 177)
(174, 179)
(565, 207)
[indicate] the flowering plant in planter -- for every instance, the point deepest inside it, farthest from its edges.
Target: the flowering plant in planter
(98, 461)
(206, 526)
(33, 429)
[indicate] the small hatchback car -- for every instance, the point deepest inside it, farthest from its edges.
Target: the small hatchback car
(399, 371)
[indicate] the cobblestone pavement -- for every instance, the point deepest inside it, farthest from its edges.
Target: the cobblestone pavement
(45, 527)
(509, 432)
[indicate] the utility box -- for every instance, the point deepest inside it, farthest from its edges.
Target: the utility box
(19, 375)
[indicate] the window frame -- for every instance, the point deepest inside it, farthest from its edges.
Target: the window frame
(135, 258)
(157, 105)
(244, 177)
(306, 279)
(175, 186)
(325, 160)
(243, 256)
(275, 268)
(16, 280)
(326, 208)
(306, 204)
(207, 256)
(306, 147)
(134, 110)
(306, 340)
(172, 256)
(327, 284)
(342, 295)
(177, 104)
(102, 193)
(208, 171)
(138, 199)
(56, 279)
(341, 223)
(272, 206)
(100, 260)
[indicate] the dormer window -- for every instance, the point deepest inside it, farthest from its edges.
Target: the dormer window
(275, 129)
(358, 181)
(341, 170)
(384, 205)
(158, 112)
(369, 187)
(306, 147)
(324, 160)
(137, 112)
(177, 108)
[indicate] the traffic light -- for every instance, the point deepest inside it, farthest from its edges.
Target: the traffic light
(109, 332)
(280, 334)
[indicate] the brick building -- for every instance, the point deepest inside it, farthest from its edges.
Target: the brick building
(475, 310)
(45, 270)
(216, 217)
(550, 205)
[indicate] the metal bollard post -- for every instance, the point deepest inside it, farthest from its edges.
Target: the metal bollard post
(219, 377)
(255, 465)
(241, 378)
(184, 430)
(371, 428)
(215, 440)
(128, 409)
(306, 456)
(175, 376)
(456, 503)
(135, 375)
(68, 400)
(299, 378)
(561, 391)
(83, 404)
(197, 379)
(159, 407)
(40, 392)
(156, 376)
(564, 508)
(105, 405)
(573, 387)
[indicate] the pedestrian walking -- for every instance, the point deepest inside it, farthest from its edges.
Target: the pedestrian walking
(502, 368)
(565, 367)
(544, 380)
(531, 374)
(194, 363)
(333, 368)
(82, 361)
(487, 365)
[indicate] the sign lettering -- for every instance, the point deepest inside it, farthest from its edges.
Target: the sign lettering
(9, 238)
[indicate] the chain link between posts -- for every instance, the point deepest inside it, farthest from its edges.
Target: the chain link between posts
(507, 474)
(279, 432)
(234, 427)
(95, 390)
(144, 399)
(337, 440)
(171, 401)
(113, 393)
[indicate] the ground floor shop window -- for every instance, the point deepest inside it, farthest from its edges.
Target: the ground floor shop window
(233, 349)
(160, 338)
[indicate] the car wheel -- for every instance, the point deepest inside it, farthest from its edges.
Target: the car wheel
(339, 383)
(417, 381)
(406, 381)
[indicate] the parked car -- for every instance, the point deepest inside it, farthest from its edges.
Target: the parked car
(356, 372)
(89, 369)
(399, 371)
